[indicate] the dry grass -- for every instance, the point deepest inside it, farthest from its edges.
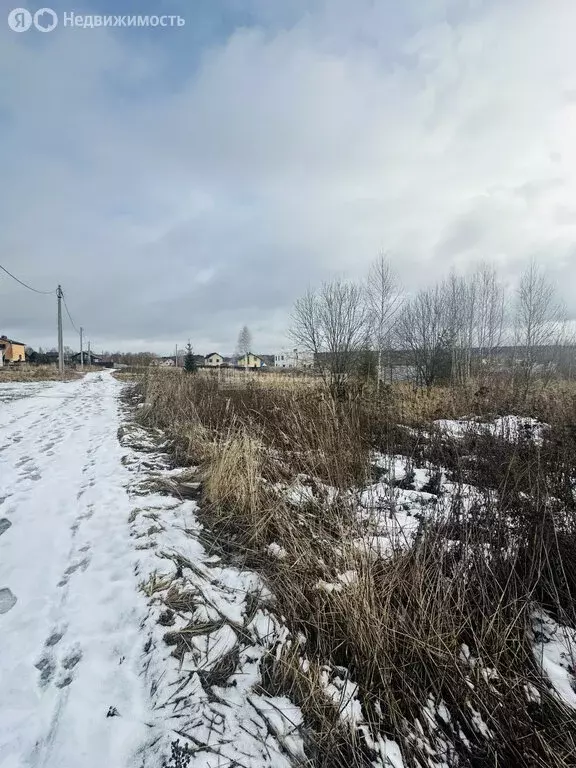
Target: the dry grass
(555, 401)
(400, 628)
(35, 373)
(277, 379)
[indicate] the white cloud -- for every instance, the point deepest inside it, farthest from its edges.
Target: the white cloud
(290, 151)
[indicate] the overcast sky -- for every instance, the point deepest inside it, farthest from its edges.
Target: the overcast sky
(180, 182)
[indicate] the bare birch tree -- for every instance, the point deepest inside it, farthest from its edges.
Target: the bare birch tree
(539, 322)
(457, 302)
(491, 313)
(331, 324)
(383, 300)
(245, 344)
(423, 330)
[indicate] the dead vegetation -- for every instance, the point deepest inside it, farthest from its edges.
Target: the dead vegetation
(435, 640)
(35, 373)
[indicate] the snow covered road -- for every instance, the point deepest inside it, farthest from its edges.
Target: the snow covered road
(70, 610)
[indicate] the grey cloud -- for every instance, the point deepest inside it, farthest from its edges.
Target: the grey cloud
(288, 153)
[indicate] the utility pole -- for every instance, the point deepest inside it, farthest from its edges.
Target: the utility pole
(81, 349)
(89, 355)
(176, 356)
(60, 338)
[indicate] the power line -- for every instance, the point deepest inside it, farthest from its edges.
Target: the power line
(46, 293)
(69, 315)
(60, 295)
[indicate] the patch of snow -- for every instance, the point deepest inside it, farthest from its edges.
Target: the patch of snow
(344, 695)
(307, 490)
(375, 546)
(479, 723)
(348, 577)
(532, 693)
(207, 681)
(512, 428)
(276, 550)
(555, 652)
(390, 754)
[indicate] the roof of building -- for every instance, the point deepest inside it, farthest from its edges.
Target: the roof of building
(86, 354)
(11, 341)
(212, 353)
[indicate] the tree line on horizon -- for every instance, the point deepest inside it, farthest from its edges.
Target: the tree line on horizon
(449, 332)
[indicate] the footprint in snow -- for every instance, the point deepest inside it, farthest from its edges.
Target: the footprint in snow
(82, 565)
(72, 658)
(46, 667)
(7, 600)
(58, 671)
(4, 525)
(55, 638)
(68, 663)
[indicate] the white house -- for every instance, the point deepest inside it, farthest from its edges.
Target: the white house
(292, 358)
(213, 360)
(1, 358)
(164, 362)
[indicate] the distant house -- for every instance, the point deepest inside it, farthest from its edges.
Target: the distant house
(250, 361)
(49, 358)
(12, 351)
(165, 362)
(90, 358)
(213, 360)
(293, 358)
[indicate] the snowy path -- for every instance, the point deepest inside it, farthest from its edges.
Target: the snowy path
(70, 611)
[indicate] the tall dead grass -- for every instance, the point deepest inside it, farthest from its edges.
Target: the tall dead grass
(438, 636)
(34, 373)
